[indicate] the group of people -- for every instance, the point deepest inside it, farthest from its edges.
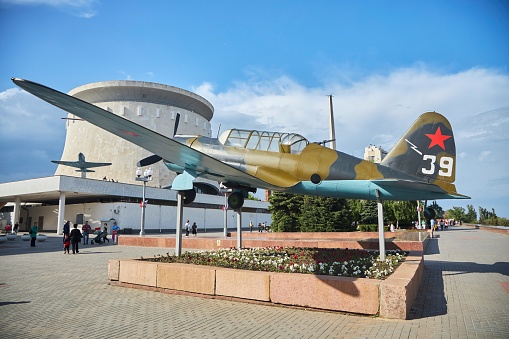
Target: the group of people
(435, 224)
(72, 238)
(193, 229)
(10, 229)
(261, 227)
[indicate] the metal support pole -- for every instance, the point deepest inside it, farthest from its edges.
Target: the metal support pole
(239, 228)
(142, 228)
(61, 214)
(419, 214)
(381, 236)
(225, 233)
(178, 226)
(332, 130)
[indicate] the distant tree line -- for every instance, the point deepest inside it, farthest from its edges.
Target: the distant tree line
(303, 213)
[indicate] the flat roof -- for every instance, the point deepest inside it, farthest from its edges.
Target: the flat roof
(142, 91)
(47, 190)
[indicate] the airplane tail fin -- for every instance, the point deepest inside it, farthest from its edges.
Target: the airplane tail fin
(427, 151)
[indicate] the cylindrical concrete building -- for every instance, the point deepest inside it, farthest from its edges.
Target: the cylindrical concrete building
(151, 105)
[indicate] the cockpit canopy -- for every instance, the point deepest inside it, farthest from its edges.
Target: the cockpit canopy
(264, 141)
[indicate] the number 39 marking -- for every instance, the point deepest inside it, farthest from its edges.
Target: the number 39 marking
(446, 165)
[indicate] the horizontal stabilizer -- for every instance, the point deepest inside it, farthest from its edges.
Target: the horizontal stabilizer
(413, 187)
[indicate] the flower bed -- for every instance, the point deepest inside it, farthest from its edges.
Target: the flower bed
(318, 261)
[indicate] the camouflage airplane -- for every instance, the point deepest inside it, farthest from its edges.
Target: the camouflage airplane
(82, 165)
(421, 166)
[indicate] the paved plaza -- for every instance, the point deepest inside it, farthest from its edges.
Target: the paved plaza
(46, 294)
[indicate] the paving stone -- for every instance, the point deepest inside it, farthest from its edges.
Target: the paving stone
(46, 294)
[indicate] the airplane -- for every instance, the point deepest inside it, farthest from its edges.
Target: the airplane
(421, 166)
(82, 165)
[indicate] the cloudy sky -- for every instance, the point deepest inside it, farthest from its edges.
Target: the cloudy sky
(270, 65)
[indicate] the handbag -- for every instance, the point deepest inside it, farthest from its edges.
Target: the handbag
(30, 232)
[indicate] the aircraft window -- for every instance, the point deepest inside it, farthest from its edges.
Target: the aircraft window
(253, 140)
(295, 142)
(238, 137)
(274, 144)
(265, 141)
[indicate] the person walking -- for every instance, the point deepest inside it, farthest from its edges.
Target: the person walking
(194, 229)
(114, 232)
(75, 239)
(188, 228)
(67, 243)
(67, 228)
(33, 234)
(86, 231)
(104, 233)
(251, 226)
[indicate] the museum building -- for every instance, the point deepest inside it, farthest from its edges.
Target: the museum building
(111, 193)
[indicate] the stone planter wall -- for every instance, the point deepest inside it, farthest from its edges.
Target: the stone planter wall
(390, 298)
(352, 240)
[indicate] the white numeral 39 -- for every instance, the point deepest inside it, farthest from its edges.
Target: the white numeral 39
(446, 165)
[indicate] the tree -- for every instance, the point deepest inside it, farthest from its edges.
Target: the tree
(323, 214)
(369, 212)
(293, 213)
(487, 217)
(456, 213)
(285, 209)
(471, 215)
(400, 211)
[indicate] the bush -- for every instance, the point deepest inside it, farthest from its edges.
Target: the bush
(371, 228)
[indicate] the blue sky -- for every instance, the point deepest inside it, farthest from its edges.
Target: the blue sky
(269, 65)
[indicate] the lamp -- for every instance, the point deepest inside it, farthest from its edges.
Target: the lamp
(147, 176)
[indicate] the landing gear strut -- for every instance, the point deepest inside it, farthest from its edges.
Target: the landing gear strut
(236, 200)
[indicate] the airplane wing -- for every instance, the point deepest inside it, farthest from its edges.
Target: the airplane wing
(402, 186)
(167, 148)
(79, 164)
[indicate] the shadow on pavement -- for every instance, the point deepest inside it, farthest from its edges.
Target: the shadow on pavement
(52, 244)
(2, 303)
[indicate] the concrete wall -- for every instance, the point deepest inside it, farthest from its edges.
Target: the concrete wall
(129, 215)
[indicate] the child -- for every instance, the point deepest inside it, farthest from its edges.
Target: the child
(67, 243)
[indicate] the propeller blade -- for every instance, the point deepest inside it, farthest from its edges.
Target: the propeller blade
(149, 160)
(177, 119)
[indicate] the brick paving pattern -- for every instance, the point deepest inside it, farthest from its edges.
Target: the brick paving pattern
(46, 294)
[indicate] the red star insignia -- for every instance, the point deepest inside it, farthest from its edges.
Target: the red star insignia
(438, 138)
(130, 133)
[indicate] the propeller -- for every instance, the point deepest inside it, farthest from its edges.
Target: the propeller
(149, 160)
(155, 158)
(177, 119)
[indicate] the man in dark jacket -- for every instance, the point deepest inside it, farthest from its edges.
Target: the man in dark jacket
(75, 239)
(67, 228)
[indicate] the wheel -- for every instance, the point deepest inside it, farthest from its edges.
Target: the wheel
(236, 200)
(189, 196)
(429, 213)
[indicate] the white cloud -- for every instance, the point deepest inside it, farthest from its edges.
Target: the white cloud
(81, 8)
(375, 110)
(379, 109)
(485, 155)
(31, 134)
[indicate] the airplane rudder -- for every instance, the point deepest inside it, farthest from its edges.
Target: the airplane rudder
(426, 150)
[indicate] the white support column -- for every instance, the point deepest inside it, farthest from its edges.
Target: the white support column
(17, 209)
(419, 214)
(239, 228)
(381, 233)
(178, 226)
(61, 213)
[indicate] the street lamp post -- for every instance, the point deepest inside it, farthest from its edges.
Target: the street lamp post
(147, 176)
